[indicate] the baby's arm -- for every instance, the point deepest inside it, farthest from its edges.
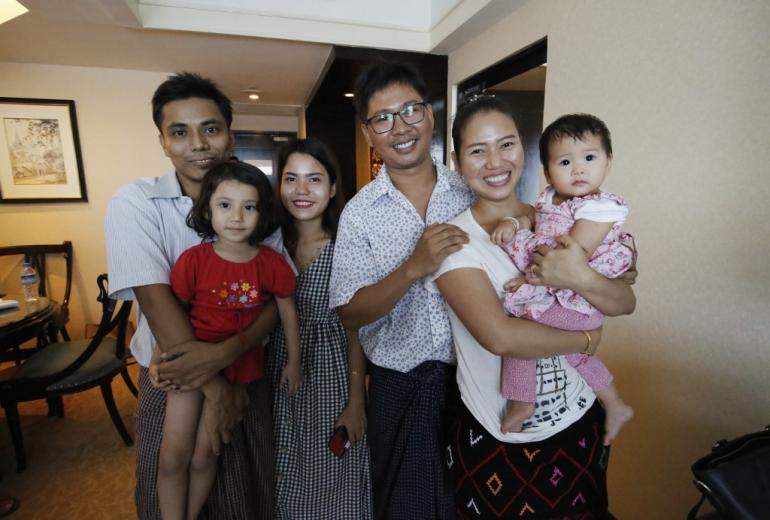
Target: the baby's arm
(292, 372)
(505, 232)
(590, 234)
(506, 229)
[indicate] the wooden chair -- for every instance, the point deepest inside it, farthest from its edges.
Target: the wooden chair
(36, 255)
(68, 367)
(92, 329)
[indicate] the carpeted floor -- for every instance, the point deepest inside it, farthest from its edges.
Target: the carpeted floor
(78, 466)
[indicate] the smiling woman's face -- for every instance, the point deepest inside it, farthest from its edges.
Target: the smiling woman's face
(306, 188)
(491, 156)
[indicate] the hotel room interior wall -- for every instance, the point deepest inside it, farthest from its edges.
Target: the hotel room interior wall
(259, 123)
(683, 86)
(119, 143)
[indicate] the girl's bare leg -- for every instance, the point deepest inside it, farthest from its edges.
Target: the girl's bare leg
(203, 471)
(180, 426)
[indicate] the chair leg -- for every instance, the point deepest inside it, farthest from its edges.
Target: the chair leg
(14, 425)
(55, 406)
(129, 383)
(64, 334)
(114, 414)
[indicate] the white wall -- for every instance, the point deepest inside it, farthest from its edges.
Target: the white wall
(684, 88)
(119, 143)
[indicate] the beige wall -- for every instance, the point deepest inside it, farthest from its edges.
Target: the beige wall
(685, 89)
(119, 143)
(259, 122)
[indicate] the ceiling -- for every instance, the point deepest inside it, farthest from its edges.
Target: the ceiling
(276, 46)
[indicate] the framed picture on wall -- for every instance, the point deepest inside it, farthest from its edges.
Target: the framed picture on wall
(40, 157)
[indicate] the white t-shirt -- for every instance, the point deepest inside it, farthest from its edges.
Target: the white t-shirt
(563, 396)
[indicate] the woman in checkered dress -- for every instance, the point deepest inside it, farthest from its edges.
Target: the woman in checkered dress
(311, 482)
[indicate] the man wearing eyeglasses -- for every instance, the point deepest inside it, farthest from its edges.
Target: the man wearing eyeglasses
(391, 235)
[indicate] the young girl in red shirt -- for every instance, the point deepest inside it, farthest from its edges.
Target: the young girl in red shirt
(225, 281)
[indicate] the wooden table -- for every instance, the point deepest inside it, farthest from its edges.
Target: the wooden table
(25, 322)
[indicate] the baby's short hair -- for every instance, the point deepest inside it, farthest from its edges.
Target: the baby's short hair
(575, 126)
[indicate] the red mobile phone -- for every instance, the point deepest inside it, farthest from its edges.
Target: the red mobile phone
(339, 442)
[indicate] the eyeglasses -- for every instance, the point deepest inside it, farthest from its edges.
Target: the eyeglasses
(411, 115)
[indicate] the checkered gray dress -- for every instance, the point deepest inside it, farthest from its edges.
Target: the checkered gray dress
(311, 482)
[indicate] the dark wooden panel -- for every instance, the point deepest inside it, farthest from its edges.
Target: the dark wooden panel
(330, 116)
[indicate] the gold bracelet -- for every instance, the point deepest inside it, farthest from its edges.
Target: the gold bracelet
(587, 350)
(514, 221)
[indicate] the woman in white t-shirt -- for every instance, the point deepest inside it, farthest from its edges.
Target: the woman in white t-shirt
(556, 466)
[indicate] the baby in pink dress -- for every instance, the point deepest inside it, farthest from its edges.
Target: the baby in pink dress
(576, 152)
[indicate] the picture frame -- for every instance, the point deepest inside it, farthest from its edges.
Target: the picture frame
(40, 159)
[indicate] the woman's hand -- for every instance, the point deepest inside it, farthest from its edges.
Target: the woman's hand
(291, 376)
(353, 418)
(565, 267)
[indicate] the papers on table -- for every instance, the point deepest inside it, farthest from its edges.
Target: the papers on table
(8, 304)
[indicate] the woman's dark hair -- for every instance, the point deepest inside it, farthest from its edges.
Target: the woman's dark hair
(575, 126)
(186, 85)
(200, 215)
(479, 104)
(331, 215)
(380, 75)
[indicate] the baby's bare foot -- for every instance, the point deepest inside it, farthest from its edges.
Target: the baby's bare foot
(518, 412)
(617, 414)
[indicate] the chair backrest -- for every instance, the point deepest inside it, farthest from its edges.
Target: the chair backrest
(36, 254)
(111, 320)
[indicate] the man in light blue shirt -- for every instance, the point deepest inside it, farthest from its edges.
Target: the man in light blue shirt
(391, 235)
(145, 232)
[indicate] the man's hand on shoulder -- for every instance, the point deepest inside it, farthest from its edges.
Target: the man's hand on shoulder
(436, 243)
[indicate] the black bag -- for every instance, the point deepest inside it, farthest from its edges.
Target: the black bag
(735, 477)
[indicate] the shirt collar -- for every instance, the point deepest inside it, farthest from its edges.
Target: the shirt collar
(383, 185)
(165, 187)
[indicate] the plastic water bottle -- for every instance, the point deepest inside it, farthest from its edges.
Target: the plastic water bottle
(28, 282)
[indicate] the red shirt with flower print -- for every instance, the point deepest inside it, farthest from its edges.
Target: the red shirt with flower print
(226, 297)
